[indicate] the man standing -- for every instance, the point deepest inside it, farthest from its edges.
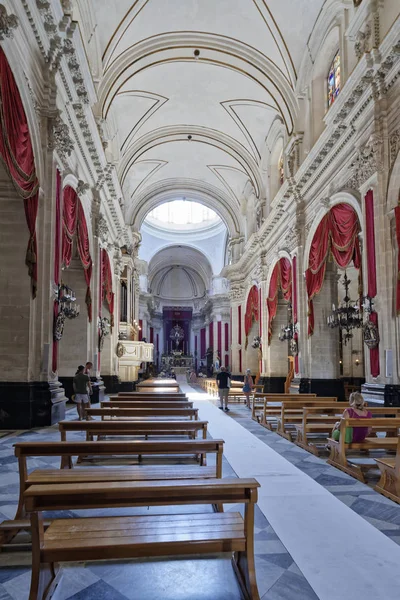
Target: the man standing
(81, 384)
(223, 382)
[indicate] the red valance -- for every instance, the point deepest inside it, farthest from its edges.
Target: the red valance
(252, 311)
(397, 217)
(17, 155)
(337, 234)
(106, 278)
(57, 248)
(295, 310)
(281, 279)
(74, 222)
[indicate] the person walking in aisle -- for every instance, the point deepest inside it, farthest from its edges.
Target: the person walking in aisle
(248, 387)
(223, 382)
(81, 385)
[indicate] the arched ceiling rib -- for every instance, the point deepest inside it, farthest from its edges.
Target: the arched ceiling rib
(158, 93)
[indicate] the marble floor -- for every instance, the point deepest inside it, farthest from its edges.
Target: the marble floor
(310, 521)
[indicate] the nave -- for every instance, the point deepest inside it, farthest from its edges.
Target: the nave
(314, 527)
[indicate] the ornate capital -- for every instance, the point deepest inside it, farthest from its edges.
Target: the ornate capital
(7, 23)
(60, 139)
(368, 160)
(101, 229)
(82, 188)
(236, 293)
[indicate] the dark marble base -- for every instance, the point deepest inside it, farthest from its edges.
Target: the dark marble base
(323, 387)
(25, 405)
(388, 395)
(111, 383)
(273, 385)
(127, 386)
(97, 387)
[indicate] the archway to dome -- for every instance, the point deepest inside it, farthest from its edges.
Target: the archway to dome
(182, 253)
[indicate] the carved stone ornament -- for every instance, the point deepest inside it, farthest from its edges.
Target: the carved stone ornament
(7, 23)
(362, 43)
(294, 349)
(62, 141)
(58, 329)
(102, 229)
(120, 350)
(394, 146)
(366, 163)
(236, 293)
(82, 187)
(371, 335)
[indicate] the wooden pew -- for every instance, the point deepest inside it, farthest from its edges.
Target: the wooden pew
(157, 390)
(137, 448)
(291, 412)
(318, 422)
(133, 428)
(146, 395)
(140, 413)
(149, 536)
(146, 404)
(339, 449)
(260, 402)
(389, 483)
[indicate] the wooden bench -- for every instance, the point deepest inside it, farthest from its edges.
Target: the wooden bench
(318, 422)
(149, 536)
(291, 412)
(260, 400)
(132, 428)
(140, 413)
(389, 483)
(137, 448)
(146, 395)
(146, 404)
(339, 449)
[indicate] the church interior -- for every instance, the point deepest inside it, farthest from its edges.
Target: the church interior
(199, 299)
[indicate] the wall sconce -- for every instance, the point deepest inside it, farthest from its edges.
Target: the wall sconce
(357, 362)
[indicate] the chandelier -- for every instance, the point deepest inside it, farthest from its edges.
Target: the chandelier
(347, 316)
(287, 331)
(67, 309)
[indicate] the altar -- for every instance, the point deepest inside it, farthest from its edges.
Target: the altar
(175, 361)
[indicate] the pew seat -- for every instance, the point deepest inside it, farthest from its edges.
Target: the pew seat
(149, 536)
(389, 483)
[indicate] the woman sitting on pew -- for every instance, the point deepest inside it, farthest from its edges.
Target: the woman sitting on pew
(357, 410)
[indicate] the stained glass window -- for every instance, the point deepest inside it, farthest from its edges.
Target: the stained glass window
(334, 80)
(281, 170)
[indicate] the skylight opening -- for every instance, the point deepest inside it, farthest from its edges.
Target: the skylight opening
(182, 212)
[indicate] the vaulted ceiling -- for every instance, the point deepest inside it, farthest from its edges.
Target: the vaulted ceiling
(191, 88)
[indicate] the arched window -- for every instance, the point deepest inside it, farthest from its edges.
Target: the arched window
(281, 171)
(334, 80)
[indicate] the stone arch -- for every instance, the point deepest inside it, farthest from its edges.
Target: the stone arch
(198, 191)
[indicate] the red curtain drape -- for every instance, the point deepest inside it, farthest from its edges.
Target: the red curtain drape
(336, 234)
(107, 293)
(252, 311)
(17, 154)
(57, 249)
(397, 217)
(295, 309)
(371, 273)
(74, 222)
(281, 279)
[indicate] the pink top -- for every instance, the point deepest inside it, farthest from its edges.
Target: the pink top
(359, 433)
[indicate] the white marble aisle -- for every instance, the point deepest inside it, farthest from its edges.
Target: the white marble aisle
(339, 552)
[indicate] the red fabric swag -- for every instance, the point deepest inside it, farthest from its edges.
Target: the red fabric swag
(74, 222)
(337, 233)
(281, 279)
(252, 310)
(371, 273)
(106, 277)
(57, 248)
(17, 154)
(295, 309)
